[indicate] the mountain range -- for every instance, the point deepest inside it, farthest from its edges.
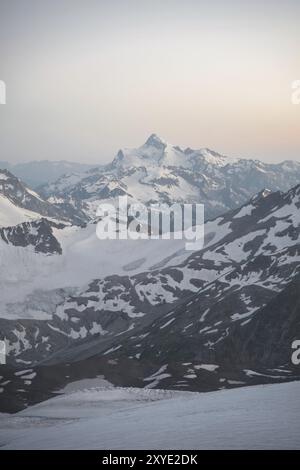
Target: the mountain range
(156, 172)
(36, 173)
(148, 313)
(160, 172)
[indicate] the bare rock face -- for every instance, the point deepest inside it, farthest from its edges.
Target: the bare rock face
(37, 234)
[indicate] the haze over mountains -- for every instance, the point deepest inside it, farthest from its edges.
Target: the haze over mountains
(156, 172)
(160, 172)
(36, 173)
(148, 313)
(173, 324)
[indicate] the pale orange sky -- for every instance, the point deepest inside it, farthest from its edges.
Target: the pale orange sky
(86, 77)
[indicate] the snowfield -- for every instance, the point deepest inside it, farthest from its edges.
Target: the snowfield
(10, 214)
(84, 258)
(260, 417)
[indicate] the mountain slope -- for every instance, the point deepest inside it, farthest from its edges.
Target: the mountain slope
(19, 204)
(189, 324)
(39, 256)
(37, 234)
(95, 417)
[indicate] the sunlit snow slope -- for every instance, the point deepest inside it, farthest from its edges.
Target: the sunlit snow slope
(261, 417)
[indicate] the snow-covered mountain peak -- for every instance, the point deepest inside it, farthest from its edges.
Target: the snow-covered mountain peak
(4, 175)
(19, 204)
(216, 158)
(158, 171)
(152, 153)
(159, 153)
(261, 195)
(155, 141)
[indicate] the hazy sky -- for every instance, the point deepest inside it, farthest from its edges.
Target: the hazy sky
(86, 77)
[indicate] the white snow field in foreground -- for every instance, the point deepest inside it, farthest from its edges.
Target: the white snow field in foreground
(260, 417)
